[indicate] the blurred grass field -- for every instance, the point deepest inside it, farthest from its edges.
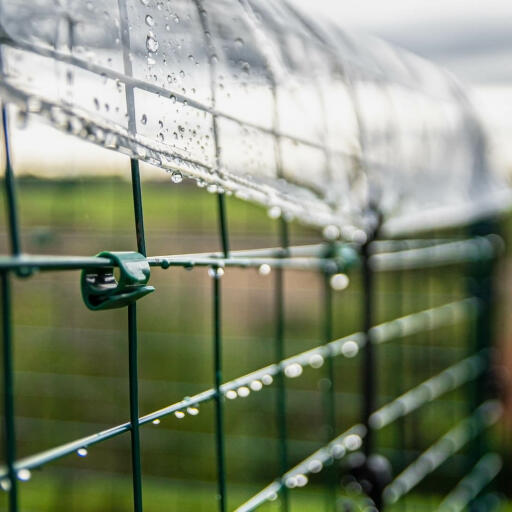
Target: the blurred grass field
(71, 363)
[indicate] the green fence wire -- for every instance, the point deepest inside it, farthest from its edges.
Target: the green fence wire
(478, 252)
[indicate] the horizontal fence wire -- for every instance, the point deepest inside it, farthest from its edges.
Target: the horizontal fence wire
(347, 346)
(454, 440)
(484, 472)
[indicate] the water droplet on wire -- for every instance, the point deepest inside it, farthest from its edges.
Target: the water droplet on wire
(293, 370)
(179, 414)
(264, 270)
(82, 452)
(24, 475)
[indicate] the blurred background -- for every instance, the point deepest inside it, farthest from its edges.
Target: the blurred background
(71, 363)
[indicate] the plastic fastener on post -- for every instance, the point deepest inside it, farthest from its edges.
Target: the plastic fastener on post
(100, 288)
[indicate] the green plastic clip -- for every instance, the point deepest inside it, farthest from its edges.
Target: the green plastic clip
(100, 288)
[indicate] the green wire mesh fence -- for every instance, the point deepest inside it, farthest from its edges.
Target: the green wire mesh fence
(114, 280)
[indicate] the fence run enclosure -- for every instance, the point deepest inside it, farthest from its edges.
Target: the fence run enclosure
(374, 147)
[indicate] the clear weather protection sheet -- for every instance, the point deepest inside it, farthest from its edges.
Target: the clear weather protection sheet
(253, 98)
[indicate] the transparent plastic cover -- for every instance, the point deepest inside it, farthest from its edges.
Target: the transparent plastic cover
(253, 98)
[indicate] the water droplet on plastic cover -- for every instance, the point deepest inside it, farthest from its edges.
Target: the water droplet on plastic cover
(34, 104)
(353, 442)
(176, 177)
(156, 422)
(274, 212)
(316, 361)
(160, 124)
(239, 42)
(144, 119)
(315, 466)
(293, 370)
(82, 452)
(231, 394)
(331, 232)
(149, 20)
(339, 282)
(350, 349)
(96, 103)
(21, 119)
(176, 18)
(173, 99)
(264, 269)
(24, 475)
(267, 380)
(151, 43)
(256, 385)
(193, 411)
(168, 27)
(179, 414)
(302, 480)
(144, 2)
(243, 391)
(160, 136)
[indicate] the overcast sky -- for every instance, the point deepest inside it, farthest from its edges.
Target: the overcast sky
(471, 38)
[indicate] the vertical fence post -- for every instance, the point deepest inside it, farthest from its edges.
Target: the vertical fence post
(279, 355)
(8, 384)
(330, 390)
(217, 357)
(133, 374)
(369, 367)
(482, 336)
(7, 348)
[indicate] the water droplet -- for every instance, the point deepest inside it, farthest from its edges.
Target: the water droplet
(179, 414)
(353, 442)
(264, 269)
(160, 136)
(144, 119)
(350, 349)
(256, 385)
(231, 394)
(315, 466)
(5, 484)
(243, 391)
(291, 482)
(176, 177)
(339, 282)
(216, 272)
(168, 27)
(338, 451)
(274, 212)
(96, 103)
(156, 422)
(173, 99)
(151, 43)
(24, 475)
(316, 361)
(144, 2)
(193, 411)
(212, 188)
(239, 42)
(82, 452)
(302, 480)
(293, 370)
(176, 18)
(34, 104)
(267, 380)
(149, 20)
